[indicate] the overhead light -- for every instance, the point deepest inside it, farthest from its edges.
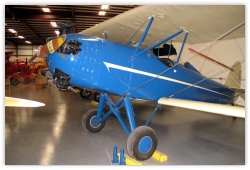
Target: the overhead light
(105, 7)
(53, 24)
(102, 12)
(12, 30)
(28, 42)
(20, 36)
(46, 9)
(57, 32)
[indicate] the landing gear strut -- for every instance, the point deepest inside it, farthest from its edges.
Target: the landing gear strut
(142, 141)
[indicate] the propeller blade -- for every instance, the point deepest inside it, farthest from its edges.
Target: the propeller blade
(33, 57)
(50, 47)
(17, 102)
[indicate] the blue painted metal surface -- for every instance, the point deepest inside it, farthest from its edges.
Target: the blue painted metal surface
(105, 35)
(104, 66)
(159, 43)
(94, 122)
(145, 144)
(144, 35)
(169, 48)
(130, 113)
(122, 157)
(184, 41)
(152, 115)
(115, 156)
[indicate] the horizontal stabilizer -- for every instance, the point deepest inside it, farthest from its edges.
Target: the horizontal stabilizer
(238, 90)
(227, 110)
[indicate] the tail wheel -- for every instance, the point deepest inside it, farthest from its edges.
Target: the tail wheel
(90, 122)
(14, 81)
(142, 143)
(85, 93)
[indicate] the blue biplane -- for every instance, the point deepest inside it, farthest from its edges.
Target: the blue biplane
(89, 62)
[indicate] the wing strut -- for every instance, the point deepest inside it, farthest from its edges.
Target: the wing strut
(160, 42)
(144, 35)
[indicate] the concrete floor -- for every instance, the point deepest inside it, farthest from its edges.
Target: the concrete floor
(53, 134)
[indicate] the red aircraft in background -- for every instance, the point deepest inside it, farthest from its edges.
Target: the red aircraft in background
(14, 71)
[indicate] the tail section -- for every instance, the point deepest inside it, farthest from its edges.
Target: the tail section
(233, 81)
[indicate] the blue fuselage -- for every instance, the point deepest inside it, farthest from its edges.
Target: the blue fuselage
(110, 67)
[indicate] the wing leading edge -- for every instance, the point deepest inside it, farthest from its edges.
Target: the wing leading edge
(227, 110)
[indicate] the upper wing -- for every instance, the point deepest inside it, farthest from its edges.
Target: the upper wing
(17, 102)
(203, 22)
(228, 110)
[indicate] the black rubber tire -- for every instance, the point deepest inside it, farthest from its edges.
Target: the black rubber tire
(85, 93)
(14, 81)
(134, 141)
(86, 121)
(97, 96)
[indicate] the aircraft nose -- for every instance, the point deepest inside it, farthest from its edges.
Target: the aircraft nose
(70, 47)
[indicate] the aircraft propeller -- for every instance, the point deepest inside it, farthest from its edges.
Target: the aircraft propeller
(50, 47)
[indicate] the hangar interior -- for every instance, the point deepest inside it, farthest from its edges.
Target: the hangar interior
(54, 134)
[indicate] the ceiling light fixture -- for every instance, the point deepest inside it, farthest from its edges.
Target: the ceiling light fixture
(20, 36)
(12, 30)
(28, 42)
(105, 7)
(102, 12)
(46, 9)
(57, 32)
(53, 24)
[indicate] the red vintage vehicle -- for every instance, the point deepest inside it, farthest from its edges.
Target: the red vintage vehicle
(14, 71)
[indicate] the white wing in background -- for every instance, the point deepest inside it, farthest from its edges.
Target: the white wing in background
(227, 110)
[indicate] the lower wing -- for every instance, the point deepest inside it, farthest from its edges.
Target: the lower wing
(17, 102)
(228, 110)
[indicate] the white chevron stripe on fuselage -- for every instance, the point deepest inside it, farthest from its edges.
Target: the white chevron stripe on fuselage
(109, 65)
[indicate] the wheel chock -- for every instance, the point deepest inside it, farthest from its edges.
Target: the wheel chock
(160, 156)
(124, 159)
(129, 160)
(94, 103)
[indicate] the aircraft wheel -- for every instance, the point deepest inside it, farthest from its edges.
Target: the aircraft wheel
(97, 97)
(89, 121)
(142, 143)
(85, 93)
(14, 81)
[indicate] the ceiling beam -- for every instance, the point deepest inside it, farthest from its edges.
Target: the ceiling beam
(31, 30)
(74, 19)
(43, 16)
(10, 42)
(72, 15)
(24, 23)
